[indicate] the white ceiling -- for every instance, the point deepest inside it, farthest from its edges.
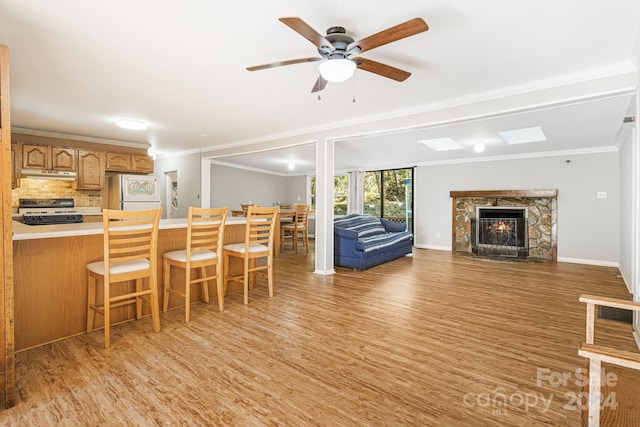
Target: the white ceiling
(77, 66)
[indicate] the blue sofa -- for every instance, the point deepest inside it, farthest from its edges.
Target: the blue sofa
(362, 241)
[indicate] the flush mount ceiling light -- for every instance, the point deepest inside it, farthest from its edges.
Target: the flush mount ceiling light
(441, 144)
(479, 147)
(337, 70)
(131, 124)
(291, 166)
(523, 136)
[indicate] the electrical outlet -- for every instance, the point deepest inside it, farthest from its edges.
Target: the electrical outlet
(437, 235)
(602, 194)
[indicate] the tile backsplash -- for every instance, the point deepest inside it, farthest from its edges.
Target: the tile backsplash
(47, 189)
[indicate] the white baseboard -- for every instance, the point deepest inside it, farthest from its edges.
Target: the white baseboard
(589, 262)
(626, 282)
(433, 247)
(325, 272)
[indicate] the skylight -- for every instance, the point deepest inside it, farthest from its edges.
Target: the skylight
(441, 144)
(523, 136)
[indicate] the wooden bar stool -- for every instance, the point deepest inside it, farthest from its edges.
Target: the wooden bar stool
(205, 234)
(258, 243)
(130, 253)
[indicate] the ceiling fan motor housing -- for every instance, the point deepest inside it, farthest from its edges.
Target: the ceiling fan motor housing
(340, 40)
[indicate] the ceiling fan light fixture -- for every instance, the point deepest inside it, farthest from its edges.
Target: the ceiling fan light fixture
(337, 70)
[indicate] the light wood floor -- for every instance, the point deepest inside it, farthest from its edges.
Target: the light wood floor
(428, 340)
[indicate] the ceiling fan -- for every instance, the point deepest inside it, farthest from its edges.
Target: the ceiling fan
(338, 51)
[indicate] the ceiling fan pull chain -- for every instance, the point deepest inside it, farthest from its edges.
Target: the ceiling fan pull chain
(354, 88)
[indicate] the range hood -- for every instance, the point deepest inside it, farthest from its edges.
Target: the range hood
(48, 174)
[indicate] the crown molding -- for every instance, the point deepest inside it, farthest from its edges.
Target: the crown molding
(73, 137)
(582, 151)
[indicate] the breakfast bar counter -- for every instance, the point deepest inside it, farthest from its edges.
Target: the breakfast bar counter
(50, 278)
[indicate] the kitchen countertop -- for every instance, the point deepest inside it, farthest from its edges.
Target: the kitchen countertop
(30, 232)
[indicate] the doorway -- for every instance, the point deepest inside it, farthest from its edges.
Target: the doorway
(172, 194)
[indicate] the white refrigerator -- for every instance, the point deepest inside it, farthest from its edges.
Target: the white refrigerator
(134, 192)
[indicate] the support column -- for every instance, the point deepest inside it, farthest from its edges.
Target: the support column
(324, 207)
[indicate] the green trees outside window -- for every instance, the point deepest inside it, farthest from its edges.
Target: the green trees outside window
(387, 194)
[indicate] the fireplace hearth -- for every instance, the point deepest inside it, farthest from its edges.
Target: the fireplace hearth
(509, 224)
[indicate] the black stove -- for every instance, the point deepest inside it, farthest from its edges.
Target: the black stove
(48, 211)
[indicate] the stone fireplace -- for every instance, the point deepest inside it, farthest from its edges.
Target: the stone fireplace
(510, 223)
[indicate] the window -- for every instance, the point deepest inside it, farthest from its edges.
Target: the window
(340, 194)
(388, 194)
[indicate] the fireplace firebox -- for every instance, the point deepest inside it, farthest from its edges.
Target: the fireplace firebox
(500, 231)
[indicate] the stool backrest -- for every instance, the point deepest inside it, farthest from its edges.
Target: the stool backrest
(261, 226)
(205, 229)
(130, 236)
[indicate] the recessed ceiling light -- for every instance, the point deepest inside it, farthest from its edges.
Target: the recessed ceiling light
(479, 147)
(291, 166)
(131, 124)
(523, 136)
(441, 144)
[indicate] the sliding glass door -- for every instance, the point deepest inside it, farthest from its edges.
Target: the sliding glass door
(388, 194)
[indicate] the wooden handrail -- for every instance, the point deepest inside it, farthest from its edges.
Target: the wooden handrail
(598, 354)
(610, 302)
(614, 356)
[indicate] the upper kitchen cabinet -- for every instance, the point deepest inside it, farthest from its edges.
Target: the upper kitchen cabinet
(141, 163)
(132, 163)
(90, 170)
(118, 162)
(48, 158)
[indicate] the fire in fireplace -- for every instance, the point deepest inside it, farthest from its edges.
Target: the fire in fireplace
(500, 231)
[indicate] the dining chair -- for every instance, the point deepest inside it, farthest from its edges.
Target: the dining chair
(205, 234)
(297, 230)
(130, 253)
(245, 207)
(258, 244)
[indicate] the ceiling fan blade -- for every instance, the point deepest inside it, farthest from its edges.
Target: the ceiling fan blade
(306, 31)
(407, 29)
(321, 83)
(280, 63)
(382, 69)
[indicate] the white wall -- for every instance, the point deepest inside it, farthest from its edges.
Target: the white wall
(233, 187)
(577, 183)
(188, 175)
(295, 189)
(627, 200)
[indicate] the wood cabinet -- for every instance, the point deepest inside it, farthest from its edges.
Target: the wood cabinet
(15, 166)
(48, 158)
(118, 162)
(134, 163)
(90, 170)
(141, 163)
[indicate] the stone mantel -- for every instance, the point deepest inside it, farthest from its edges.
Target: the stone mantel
(545, 201)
